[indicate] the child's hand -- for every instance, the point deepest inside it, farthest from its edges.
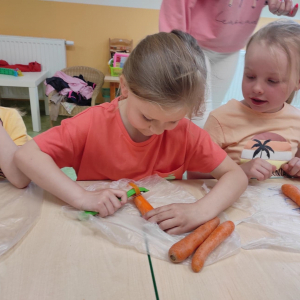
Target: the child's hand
(103, 201)
(292, 167)
(258, 168)
(175, 218)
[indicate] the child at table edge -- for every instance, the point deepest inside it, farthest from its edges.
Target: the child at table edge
(262, 132)
(12, 134)
(145, 133)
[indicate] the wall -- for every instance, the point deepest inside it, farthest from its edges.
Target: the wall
(89, 26)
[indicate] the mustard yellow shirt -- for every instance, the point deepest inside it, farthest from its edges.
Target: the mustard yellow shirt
(14, 125)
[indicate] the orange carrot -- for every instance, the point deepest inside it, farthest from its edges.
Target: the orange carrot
(140, 202)
(222, 232)
(292, 192)
(185, 247)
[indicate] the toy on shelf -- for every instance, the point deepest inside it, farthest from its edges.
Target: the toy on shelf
(116, 63)
(119, 46)
(11, 72)
(119, 59)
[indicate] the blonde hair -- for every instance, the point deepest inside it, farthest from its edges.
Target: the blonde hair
(168, 69)
(284, 34)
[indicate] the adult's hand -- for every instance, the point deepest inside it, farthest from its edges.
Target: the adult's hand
(282, 7)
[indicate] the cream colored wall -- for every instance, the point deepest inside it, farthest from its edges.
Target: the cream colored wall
(89, 26)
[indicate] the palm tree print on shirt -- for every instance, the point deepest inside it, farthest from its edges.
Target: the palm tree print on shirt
(262, 147)
(270, 146)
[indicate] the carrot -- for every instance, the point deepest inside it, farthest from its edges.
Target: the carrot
(140, 202)
(185, 247)
(292, 192)
(222, 232)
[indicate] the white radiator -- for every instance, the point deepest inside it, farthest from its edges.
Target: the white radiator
(50, 53)
(235, 89)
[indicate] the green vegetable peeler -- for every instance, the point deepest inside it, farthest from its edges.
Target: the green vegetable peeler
(94, 213)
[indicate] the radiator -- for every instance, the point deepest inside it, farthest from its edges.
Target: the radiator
(50, 53)
(235, 89)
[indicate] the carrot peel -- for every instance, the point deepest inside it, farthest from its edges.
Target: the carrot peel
(140, 202)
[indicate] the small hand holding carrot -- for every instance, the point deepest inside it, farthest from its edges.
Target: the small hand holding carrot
(104, 201)
(258, 168)
(292, 167)
(177, 218)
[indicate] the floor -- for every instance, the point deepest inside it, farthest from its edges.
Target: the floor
(24, 107)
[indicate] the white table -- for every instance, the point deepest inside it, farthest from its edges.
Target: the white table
(61, 258)
(32, 81)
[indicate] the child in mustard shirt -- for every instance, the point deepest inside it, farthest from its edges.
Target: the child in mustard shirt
(12, 134)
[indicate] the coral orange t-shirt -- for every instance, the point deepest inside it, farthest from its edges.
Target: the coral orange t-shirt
(96, 144)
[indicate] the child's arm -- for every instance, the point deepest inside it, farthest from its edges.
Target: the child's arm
(180, 218)
(7, 165)
(41, 168)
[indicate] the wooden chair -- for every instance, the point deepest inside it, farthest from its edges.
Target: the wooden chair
(89, 74)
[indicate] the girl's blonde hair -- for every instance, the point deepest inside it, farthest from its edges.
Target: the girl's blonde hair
(168, 69)
(284, 34)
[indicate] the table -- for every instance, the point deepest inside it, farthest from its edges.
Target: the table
(32, 81)
(62, 259)
(113, 84)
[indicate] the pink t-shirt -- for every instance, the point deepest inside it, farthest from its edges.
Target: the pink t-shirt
(96, 144)
(215, 24)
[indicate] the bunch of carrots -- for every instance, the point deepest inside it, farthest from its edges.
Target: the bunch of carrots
(206, 238)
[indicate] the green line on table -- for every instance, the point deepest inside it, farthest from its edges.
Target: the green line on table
(153, 277)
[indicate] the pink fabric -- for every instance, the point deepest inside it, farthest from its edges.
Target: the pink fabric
(77, 85)
(213, 23)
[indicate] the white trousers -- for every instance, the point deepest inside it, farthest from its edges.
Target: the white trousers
(221, 68)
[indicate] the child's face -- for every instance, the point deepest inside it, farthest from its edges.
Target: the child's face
(149, 118)
(267, 83)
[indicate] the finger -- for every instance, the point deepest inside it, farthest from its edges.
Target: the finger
(116, 203)
(109, 206)
(274, 6)
(156, 211)
(288, 7)
(102, 210)
(169, 224)
(294, 11)
(281, 9)
(162, 216)
(295, 169)
(120, 194)
(260, 173)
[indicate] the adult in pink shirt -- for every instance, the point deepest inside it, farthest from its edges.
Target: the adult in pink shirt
(222, 28)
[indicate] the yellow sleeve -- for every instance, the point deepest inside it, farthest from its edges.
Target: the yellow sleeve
(15, 127)
(214, 128)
